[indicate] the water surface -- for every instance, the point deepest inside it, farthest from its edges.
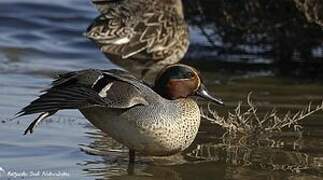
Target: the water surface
(40, 39)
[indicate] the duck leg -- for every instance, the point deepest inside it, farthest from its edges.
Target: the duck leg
(131, 156)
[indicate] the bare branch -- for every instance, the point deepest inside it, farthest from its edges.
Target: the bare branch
(249, 123)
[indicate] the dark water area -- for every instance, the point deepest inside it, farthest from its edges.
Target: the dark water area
(287, 31)
(39, 39)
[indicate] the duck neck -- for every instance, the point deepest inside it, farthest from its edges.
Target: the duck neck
(161, 90)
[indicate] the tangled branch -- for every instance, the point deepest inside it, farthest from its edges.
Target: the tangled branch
(250, 123)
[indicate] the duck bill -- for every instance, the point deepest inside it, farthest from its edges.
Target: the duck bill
(204, 93)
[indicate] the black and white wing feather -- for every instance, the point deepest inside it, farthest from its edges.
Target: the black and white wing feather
(84, 89)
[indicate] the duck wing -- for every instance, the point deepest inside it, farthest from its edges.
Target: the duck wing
(84, 89)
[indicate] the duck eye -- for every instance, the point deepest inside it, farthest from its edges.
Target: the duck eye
(188, 75)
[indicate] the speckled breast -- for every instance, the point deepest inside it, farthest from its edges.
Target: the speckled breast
(160, 129)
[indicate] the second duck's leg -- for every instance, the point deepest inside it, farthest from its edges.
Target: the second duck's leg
(131, 156)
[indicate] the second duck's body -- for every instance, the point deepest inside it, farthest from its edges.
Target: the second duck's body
(140, 30)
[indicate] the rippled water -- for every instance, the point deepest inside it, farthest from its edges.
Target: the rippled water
(40, 39)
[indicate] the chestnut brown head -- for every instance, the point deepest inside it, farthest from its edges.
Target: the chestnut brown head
(180, 81)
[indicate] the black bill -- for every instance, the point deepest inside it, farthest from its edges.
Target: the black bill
(204, 93)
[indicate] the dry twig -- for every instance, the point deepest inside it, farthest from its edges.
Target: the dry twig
(250, 123)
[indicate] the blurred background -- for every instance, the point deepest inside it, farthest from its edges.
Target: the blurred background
(273, 49)
(284, 38)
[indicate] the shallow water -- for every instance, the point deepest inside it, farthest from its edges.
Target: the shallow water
(40, 39)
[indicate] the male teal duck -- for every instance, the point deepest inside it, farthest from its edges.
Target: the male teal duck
(140, 30)
(161, 120)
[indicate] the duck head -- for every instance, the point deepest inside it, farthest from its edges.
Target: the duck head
(180, 81)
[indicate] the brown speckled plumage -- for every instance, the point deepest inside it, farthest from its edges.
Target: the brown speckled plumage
(144, 30)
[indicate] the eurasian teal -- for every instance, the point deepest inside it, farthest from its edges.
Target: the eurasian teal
(161, 120)
(140, 30)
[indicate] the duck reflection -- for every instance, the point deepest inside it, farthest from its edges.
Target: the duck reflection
(142, 36)
(114, 161)
(208, 157)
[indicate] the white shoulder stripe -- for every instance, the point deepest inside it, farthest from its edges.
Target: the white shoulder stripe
(96, 81)
(103, 92)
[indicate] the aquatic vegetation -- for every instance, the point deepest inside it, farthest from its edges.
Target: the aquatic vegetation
(271, 141)
(250, 123)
